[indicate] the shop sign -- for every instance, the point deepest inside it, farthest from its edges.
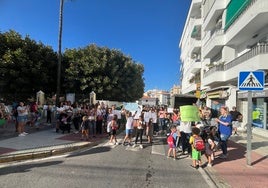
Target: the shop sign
(256, 94)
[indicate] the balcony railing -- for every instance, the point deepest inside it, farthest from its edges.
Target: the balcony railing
(216, 68)
(214, 33)
(257, 50)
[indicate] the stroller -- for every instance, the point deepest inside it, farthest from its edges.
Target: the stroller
(65, 123)
(205, 131)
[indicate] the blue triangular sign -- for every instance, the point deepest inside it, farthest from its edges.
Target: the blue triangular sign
(251, 80)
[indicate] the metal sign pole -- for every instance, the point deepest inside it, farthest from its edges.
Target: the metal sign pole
(250, 81)
(249, 130)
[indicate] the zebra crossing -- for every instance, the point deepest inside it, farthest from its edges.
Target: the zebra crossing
(157, 148)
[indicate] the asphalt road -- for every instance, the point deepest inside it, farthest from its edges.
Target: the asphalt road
(105, 166)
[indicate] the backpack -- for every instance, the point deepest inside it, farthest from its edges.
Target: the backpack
(170, 139)
(199, 144)
(33, 107)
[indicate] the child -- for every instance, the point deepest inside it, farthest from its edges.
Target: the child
(84, 127)
(139, 132)
(210, 146)
(109, 119)
(129, 127)
(177, 144)
(171, 142)
(196, 155)
(149, 131)
(114, 127)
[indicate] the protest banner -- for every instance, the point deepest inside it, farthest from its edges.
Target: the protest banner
(189, 113)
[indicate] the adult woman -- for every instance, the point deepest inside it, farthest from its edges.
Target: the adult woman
(225, 129)
(22, 118)
(100, 114)
(186, 132)
(92, 121)
(77, 117)
(161, 117)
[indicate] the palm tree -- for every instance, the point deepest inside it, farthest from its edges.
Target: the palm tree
(59, 52)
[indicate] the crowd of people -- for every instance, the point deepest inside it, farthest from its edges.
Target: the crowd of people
(21, 114)
(212, 131)
(98, 119)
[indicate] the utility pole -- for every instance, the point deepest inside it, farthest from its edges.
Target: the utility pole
(59, 53)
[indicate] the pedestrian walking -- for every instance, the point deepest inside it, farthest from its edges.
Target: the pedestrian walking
(186, 132)
(155, 124)
(84, 128)
(196, 153)
(109, 118)
(114, 127)
(225, 130)
(161, 118)
(100, 114)
(49, 112)
(129, 128)
(149, 131)
(139, 132)
(210, 146)
(171, 140)
(92, 121)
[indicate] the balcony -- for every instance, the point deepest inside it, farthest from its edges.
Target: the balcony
(247, 23)
(188, 88)
(213, 15)
(195, 46)
(255, 59)
(195, 9)
(214, 76)
(214, 44)
(189, 82)
(195, 66)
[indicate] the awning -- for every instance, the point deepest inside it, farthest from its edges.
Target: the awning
(233, 10)
(196, 31)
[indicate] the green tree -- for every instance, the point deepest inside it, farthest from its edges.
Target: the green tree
(26, 67)
(109, 73)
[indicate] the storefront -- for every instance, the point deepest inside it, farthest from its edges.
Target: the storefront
(218, 97)
(259, 107)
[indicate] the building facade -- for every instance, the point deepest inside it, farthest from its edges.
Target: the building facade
(163, 97)
(220, 39)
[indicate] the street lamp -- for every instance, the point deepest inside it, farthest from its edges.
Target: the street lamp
(59, 52)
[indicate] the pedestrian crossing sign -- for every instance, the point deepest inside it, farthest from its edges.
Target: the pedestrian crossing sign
(251, 80)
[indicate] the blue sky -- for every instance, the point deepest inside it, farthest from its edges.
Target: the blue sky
(149, 31)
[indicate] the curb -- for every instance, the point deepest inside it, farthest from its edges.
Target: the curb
(216, 180)
(45, 152)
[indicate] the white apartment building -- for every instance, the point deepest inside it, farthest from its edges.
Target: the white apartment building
(163, 97)
(220, 39)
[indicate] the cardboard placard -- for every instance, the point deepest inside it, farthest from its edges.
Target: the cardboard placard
(189, 113)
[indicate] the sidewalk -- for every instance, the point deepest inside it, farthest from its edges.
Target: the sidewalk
(234, 171)
(39, 143)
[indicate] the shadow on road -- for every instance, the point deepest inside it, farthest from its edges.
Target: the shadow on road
(91, 151)
(26, 167)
